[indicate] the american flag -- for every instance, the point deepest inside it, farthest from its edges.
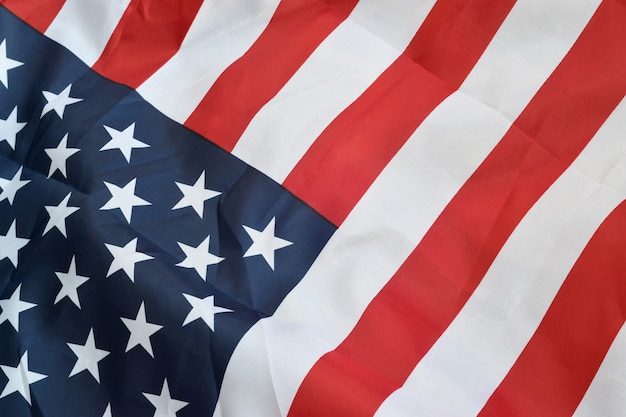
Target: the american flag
(312, 208)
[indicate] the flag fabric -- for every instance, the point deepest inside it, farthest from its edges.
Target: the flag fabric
(312, 208)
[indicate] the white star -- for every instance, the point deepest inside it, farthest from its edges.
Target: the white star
(59, 156)
(12, 307)
(88, 357)
(123, 140)
(164, 404)
(10, 127)
(58, 216)
(6, 64)
(12, 186)
(125, 258)
(58, 102)
(10, 245)
(107, 411)
(265, 243)
(195, 195)
(70, 282)
(20, 378)
(199, 257)
(140, 331)
(203, 308)
(124, 198)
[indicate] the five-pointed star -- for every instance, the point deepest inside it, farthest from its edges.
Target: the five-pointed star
(20, 378)
(58, 102)
(70, 282)
(58, 216)
(88, 357)
(124, 198)
(59, 156)
(12, 186)
(140, 331)
(125, 257)
(10, 245)
(195, 195)
(12, 307)
(6, 64)
(10, 127)
(203, 308)
(265, 243)
(199, 257)
(165, 405)
(124, 140)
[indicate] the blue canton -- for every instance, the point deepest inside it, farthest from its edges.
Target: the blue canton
(134, 254)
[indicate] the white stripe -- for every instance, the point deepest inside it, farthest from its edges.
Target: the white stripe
(85, 26)
(606, 396)
(221, 32)
(461, 371)
(339, 70)
(393, 21)
(372, 243)
(529, 45)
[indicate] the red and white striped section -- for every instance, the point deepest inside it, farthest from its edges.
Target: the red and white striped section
(361, 257)
(237, 95)
(340, 70)
(300, 331)
(221, 33)
(473, 155)
(350, 153)
(473, 356)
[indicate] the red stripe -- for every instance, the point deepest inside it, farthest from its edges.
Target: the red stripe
(455, 35)
(352, 151)
(428, 291)
(37, 13)
(296, 29)
(148, 35)
(557, 366)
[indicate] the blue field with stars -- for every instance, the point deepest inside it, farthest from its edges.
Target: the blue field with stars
(134, 254)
